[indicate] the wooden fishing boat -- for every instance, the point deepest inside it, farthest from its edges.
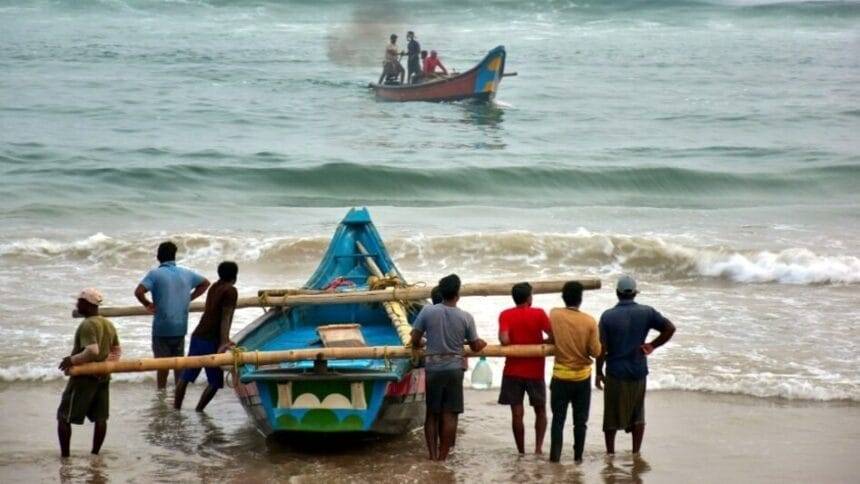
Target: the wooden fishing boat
(479, 83)
(356, 395)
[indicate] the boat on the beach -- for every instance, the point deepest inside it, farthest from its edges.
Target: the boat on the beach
(358, 395)
(479, 83)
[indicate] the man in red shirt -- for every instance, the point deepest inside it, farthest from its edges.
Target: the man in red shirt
(522, 325)
(433, 62)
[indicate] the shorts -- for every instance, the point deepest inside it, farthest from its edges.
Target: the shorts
(214, 375)
(513, 389)
(85, 396)
(165, 346)
(623, 404)
(444, 391)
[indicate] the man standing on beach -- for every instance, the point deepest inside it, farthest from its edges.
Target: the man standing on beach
(212, 334)
(576, 343)
(447, 328)
(623, 330)
(173, 288)
(85, 395)
(524, 325)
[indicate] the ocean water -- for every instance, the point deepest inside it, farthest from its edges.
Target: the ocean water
(709, 148)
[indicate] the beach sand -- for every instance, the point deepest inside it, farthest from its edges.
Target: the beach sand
(691, 437)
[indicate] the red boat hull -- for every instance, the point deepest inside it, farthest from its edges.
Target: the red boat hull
(479, 83)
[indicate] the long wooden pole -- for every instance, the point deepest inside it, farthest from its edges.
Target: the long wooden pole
(389, 294)
(260, 358)
(395, 310)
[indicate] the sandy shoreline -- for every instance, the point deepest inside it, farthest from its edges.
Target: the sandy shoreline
(691, 437)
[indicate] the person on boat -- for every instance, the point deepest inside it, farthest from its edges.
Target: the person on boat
(446, 328)
(413, 51)
(524, 325)
(212, 335)
(173, 288)
(576, 341)
(432, 63)
(623, 330)
(87, 396)
(391, 67)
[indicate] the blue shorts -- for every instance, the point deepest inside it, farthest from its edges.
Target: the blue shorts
(215, 375)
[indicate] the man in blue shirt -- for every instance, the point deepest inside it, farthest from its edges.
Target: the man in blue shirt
(173, 288)
(623, 330)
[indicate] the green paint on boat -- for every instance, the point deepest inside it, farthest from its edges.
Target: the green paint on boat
(288, 422)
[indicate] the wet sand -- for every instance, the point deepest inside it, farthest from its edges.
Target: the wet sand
(691, 437)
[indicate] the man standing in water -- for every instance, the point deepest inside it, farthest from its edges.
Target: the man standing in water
(623, 330)
(576, 343)
(173, 288)
(524, 325)
(212, 334)
(413, 53)
(85, 395)
(447, 328)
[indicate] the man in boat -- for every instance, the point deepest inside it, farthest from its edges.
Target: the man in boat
(391, 67)
(446, 328)
(413, 51)
(173, 288)
(87, 396)
(623, 330)
(431, 64)
(576, 341)
(212, 335)
(524, 325)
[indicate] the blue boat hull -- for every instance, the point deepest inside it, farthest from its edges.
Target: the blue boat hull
(361, 395)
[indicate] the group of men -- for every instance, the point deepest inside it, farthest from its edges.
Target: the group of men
(420, 65)
(618, 341)
(172, 289)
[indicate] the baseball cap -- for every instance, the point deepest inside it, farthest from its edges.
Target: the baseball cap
(91, 295)
(626, 285)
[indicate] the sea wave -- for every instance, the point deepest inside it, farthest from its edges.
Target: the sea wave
(483, 254)
(763, 386)
(341, 184)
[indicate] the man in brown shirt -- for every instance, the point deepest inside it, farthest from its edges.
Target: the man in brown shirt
(577, 341)
(212, 334)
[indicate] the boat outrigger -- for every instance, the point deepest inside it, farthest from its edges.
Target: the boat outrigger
(479, 83)
(350, 395)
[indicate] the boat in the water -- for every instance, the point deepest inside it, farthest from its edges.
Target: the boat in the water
(479, 83)
(361, 395)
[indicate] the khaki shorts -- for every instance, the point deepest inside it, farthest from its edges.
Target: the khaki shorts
(623, 404)
(85, 396)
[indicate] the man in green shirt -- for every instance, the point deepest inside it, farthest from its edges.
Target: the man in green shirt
(87, 396)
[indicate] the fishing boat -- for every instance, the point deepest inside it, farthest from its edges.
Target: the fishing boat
(384, 396)
(479, 83)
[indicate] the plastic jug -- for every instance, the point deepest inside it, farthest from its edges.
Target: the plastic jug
(482, 375)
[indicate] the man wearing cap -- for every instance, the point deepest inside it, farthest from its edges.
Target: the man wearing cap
(623, 330)
(87, 396)
(173, 288)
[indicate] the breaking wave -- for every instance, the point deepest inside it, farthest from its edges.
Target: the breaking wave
(490, 254)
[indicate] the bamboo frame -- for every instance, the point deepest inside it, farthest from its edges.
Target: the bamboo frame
(352, 297)
(260, 358)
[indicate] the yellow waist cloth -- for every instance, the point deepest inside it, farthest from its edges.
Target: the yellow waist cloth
(570, 374)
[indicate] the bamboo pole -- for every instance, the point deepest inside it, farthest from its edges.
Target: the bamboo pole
(261, 358)
(395, 310)
(389, 294)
